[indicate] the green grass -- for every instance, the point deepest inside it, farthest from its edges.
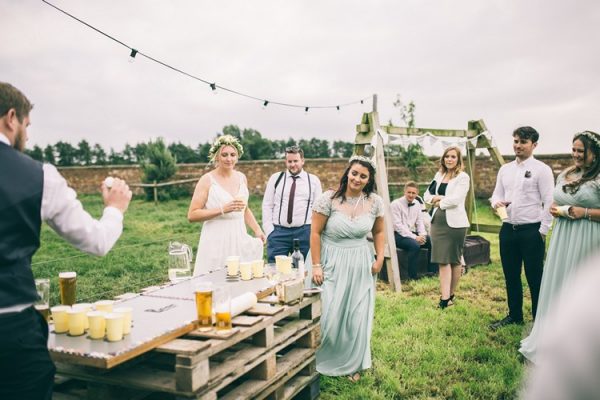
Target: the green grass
(419, 352)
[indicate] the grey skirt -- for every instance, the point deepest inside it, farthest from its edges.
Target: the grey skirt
(446, 243)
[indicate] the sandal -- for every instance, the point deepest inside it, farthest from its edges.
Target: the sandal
(355, 377)
(445, 303)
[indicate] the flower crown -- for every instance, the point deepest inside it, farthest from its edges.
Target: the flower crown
(590, 135)
(363, 159)
(224, 140)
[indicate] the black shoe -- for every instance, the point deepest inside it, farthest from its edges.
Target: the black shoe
(508, 320)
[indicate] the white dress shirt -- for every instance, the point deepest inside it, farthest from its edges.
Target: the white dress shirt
(275, 200)
(407, 219)
(528, 186)
(65, 214)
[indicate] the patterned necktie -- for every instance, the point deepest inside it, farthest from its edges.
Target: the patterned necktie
(290, 212)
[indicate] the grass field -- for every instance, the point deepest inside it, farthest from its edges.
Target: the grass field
(419, 352)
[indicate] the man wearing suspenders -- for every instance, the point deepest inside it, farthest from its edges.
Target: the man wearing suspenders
(287, 206)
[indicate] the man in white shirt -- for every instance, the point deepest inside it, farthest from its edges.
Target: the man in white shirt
(29, 194)
(287, 206)
(409, 228)
(524, 186)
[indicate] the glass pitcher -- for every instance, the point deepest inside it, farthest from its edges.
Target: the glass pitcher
(180, 259)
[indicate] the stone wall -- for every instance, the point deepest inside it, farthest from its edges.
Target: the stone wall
(88, 179)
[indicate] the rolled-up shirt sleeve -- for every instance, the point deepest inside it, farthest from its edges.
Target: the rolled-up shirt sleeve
(64, 213)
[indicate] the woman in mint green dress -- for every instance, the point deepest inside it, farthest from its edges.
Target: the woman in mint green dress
(343, 263)
(576, 233)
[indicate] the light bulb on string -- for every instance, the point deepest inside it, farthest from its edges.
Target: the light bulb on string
(338, 109)
(132, 55)
(305, 110)
(265, 104)
(213, 86)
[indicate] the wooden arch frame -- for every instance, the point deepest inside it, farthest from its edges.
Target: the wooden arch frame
(369, 142)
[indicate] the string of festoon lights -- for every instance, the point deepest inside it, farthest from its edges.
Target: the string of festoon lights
(134, 52)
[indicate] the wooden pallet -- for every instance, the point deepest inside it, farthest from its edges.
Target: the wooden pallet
(271, 355)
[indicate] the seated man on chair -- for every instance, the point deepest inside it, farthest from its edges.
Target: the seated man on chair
(409, 229)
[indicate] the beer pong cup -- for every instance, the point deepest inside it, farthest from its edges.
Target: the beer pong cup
(222, 306)
(242, 199)
(104, 306)
(97, 325)
(284, 264)
(42, 286)
(233, 265)
(114, 327)
(501, 211)
(204, 305)
(86, 307)
(61, 320)
(126, 312)
(76, 317)
(246, 271)
(258, 267)
(68, 287)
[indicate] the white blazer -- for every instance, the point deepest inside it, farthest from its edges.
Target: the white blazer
(454, 200)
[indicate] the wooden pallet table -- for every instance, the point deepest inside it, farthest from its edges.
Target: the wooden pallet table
(269, 355)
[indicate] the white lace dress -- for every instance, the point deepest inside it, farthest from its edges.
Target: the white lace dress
(226, 234)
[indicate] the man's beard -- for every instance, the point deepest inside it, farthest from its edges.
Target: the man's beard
(20, 140)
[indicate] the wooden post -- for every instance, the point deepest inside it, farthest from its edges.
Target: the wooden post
(155, 189)
(375, 103)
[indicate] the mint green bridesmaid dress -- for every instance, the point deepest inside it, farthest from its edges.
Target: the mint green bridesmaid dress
(572, 241)
(348, 296)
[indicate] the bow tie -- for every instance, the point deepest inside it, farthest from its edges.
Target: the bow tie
(411, 204)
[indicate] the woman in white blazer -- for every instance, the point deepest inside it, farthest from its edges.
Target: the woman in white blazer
(449, 223)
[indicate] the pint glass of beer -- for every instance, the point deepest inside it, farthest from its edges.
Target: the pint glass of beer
(204, 305)
(43, 290)
(68, 287)
(222, 301)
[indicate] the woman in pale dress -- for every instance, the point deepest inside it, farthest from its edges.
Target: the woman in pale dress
(343, 263)
(576, 233)
(449, 222)
(220, 201)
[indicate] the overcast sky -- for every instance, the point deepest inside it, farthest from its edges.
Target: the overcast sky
(508, 62)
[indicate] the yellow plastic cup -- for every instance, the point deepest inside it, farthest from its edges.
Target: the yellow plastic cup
(76, 317)
(246, 271)
(61, 320)
(258, 268)
(114, 327)
(86, 307)
(127, 313)
(233, 265)
(104, 306)
(97, 324)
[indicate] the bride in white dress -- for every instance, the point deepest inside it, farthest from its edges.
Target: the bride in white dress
(220, 202)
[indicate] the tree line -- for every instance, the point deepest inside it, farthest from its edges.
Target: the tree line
(256, 147)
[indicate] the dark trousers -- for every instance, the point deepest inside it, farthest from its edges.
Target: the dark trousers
(521, 244)
(412, 248)
(281, 241)
(26, 370)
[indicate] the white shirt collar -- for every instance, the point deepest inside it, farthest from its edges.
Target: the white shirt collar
(4, 139)
(524, 162)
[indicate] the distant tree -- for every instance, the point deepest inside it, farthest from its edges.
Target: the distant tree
(315, 148)
(342, 149)
(116, 158)
(183, 153)
(66, 153)
(140, 150)
(232, 130)
(98, 155)
(159, 166)
(407, 111)
(36, 153)
(129, 154)
(255, 146)
(413, 157)
(49, 156)
(203, 149)
(84, 153)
